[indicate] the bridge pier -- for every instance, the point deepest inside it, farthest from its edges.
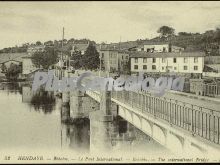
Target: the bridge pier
(65, 113)
(65, 109)
(101, 125)
(105, 107)
(76, 107)
(65, 98)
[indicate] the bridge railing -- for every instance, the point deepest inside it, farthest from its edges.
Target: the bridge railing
(198, 120)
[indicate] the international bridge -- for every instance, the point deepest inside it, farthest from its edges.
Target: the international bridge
(179, 126)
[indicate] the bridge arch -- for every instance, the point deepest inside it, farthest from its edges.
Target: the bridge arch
(147, 127)
(128, 116)
(137, 121)
(174, 143)
(194, 149)
(121, 112)
(159, 134)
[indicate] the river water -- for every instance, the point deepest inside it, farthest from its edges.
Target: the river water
(32, 122)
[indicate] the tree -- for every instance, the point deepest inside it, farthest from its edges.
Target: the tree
(77, 61)
(38, 43)
(91, 58)
(3, 68)
(217, 35)
(184, 34)
(48, 43)
(46, 58)
(13, 72)
(166, 31)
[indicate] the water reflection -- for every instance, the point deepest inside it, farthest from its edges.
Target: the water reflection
(40, 100)
(77, 135)
(44, 101)
(35, 129)
(13, 87)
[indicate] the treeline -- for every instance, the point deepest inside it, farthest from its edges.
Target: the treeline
(208, 41)
(50, 43)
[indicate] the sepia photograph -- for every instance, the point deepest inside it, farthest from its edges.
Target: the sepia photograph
(109, 82)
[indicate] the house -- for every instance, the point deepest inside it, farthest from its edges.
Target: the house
(6, 59)
(113, 59)
(158, 47)
(35, 48)
(181, 62)
(79, 46)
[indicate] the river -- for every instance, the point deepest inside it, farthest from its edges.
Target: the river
(32, 122)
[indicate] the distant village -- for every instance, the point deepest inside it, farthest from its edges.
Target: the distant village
(155, 57)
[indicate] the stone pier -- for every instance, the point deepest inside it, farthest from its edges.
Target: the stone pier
(76, 104)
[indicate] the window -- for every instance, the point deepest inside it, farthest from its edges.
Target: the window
(163, 60)
(154, 60)
(195, 67)
(162, 68)
(164, 49)
(145, 60)
(185, 60)
(154, 67)
(135, 66)
(144, 66)
(185, 68)
(195, 59)
(136, 60)
(174, 68)
(174, 60)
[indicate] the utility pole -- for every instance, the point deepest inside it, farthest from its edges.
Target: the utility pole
(62, 44)
(120, 44)
(62, 61)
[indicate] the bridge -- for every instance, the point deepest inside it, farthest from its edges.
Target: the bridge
(179, 126)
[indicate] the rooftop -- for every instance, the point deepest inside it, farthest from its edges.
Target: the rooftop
(166, 54)
(212, 67)
(4, 57)
(81, 47)
(155, 43)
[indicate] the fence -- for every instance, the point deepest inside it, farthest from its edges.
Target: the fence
(211, 90)
(199, 120)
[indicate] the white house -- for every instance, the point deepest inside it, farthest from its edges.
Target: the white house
(158, 47)
(35, 48)
(182, 62)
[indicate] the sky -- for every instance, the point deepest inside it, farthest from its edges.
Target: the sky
(22, 22)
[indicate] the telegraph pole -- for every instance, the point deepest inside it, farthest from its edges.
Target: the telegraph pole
(62, 44)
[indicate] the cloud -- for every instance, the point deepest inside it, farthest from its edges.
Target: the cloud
(101, 21)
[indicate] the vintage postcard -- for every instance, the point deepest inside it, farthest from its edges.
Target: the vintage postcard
(109, 82)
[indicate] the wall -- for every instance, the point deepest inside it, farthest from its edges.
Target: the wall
(157, 48)
(175, 67)
(28, 66)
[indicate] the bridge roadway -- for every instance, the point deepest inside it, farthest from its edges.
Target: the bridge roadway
(182, 127)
